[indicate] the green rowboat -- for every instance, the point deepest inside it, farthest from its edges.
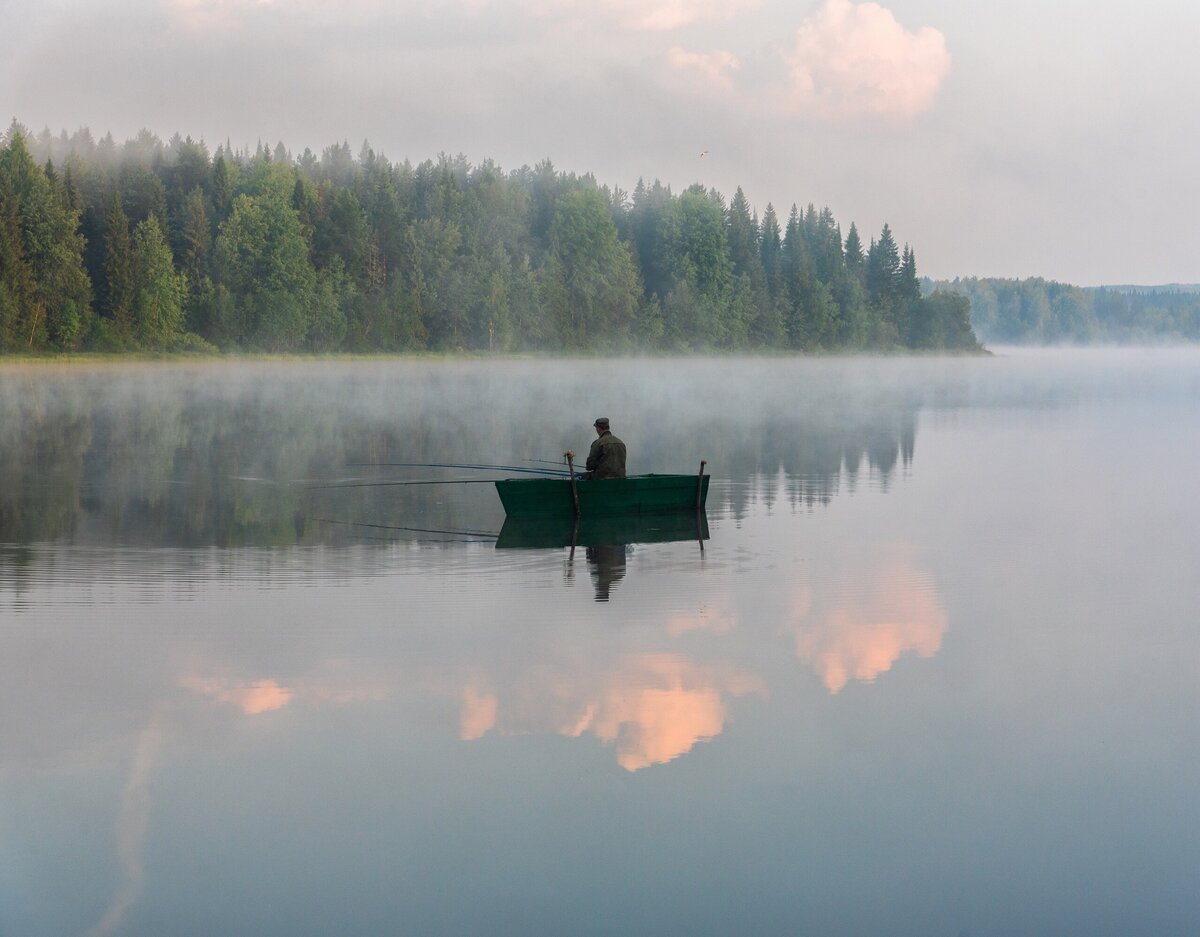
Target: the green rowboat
(597, 530)
(637, 494)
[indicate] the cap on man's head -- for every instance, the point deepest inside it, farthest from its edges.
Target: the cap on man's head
(602, 422)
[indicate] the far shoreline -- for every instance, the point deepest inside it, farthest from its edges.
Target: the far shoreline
(89, 357)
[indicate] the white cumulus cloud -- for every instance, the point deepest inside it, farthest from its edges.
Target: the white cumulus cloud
(856, 59)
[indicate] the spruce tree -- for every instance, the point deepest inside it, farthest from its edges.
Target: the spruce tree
(883, 268)
(16, 276)
(908, 309)
(771, 247)
(222, 188)
(854, 251)
(743, 238)
(195, 237)
(59, 304)
(798, 280)
(119, 285)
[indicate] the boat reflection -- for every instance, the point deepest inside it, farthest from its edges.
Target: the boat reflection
(606, 539)
(548, 533)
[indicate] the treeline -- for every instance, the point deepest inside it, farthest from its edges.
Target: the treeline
(1042, 312)
(164, 246)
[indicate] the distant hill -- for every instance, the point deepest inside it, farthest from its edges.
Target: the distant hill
(1162, 288)
(1035, 311)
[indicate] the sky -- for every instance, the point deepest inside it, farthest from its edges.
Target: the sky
(997, 139)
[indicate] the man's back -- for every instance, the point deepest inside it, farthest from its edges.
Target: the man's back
(606, 459)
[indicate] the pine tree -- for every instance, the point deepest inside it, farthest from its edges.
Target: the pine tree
(854, 252)
(798, 279)
(908, 288)
(222, 188)
(16, 276)
(59, 300)
(907, 304)
(119, 280)
(771, 248)
(195, 237)
(883, 268)
(743, 238)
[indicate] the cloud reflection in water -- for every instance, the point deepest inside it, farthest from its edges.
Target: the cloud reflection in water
(652, 707)
(860, 636)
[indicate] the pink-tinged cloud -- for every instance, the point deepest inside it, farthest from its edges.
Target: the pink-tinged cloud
(132, 821)
(212, 16)
(250, 699)
(647, 15)
(652, 707)
(336, 686)
(659, 706)
(713, 67)
(855, 59)
(478, 714)
(862, 636)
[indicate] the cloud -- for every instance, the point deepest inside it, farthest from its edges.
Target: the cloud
(652, 707)
(478, 715)
(259, 696)
(660, 715)
(631, 15)
(132, 821)
(713, 67)
(863, 635)
(854, 60)
(648, 15)
(212, 16)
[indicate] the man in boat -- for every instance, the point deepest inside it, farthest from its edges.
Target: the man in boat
(607, 456)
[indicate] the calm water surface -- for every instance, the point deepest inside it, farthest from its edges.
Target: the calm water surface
(935, 671)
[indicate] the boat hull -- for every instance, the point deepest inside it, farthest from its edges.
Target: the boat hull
(539, 532)
(637, 494)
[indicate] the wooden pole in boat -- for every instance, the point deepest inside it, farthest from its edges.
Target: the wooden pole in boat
(700, 505)
(574, 491)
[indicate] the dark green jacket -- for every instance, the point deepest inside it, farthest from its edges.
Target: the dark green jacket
(607, 457)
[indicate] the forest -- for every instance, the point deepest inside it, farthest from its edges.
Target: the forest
(1035, 311)
(166, 247)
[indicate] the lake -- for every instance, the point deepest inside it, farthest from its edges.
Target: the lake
(934, 671)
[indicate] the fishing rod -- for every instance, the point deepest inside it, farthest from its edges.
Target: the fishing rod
(435, 481)
(420, 530)
(464, 465)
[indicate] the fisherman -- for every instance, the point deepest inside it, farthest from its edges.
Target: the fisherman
(607, 456)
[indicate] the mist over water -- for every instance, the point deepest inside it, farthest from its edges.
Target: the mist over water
(933, 671)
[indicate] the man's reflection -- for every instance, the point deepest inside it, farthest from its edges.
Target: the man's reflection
(607, 565)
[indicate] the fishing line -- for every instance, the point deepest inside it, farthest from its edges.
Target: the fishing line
(421, 530)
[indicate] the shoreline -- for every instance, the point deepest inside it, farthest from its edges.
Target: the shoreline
(85, 357)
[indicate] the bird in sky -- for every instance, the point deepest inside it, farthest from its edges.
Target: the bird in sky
(703, 153)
